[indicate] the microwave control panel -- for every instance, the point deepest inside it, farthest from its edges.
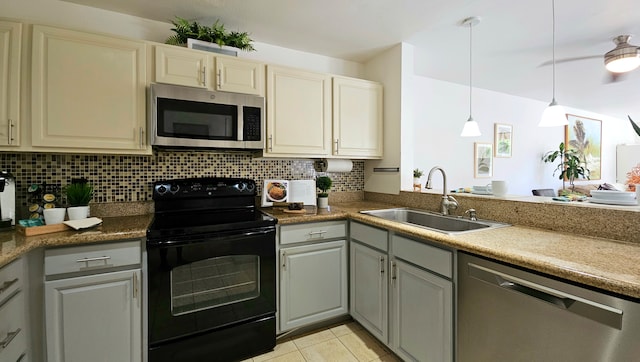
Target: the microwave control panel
(252, 124)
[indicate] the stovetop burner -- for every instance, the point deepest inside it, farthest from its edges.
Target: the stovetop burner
(205, 205)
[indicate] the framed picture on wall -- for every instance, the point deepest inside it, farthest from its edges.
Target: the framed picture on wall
(584, 135)
(502, 139)
(482, 160)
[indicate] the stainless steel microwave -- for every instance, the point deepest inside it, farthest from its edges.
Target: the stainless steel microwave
(198, 118)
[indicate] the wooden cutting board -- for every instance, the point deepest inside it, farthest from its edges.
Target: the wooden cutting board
(44, 229)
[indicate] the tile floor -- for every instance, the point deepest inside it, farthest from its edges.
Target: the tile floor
(344, 342)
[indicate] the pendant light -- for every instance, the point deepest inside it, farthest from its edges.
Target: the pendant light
(471, 128)
(554, 115)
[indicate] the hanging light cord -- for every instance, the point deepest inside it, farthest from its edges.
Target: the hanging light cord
(470, 66)
(553, 48)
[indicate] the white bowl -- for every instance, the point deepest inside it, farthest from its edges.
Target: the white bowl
(613, 195)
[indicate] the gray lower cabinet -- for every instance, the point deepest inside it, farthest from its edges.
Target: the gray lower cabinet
(402, 292)
(313, 273)
(93, 306)
(13, 326)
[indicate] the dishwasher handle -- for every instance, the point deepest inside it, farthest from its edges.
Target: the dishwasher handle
(586, 308)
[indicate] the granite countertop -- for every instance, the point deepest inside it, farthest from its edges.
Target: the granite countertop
(607, 264)
(13, 245)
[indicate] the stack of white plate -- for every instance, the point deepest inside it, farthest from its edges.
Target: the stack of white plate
(613, 197)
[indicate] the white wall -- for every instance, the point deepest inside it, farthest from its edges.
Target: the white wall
(442, 111)
(84, 18)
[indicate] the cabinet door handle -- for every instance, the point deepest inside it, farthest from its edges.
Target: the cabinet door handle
(382, 265)
(336, 142)
(22, 356)
(87, 260)
(319, 233)
(204, 75)
(142, 137)
(135, 285)
(219, 78)
(10, 132)
(9, 338)
(284, 261)
(270, 143)
(8, 284)
(393, 272)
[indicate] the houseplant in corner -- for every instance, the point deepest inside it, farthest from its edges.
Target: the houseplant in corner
(79, 193)
(570, 165)
(323, 183)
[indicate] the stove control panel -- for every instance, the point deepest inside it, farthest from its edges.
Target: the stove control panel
(203, 188)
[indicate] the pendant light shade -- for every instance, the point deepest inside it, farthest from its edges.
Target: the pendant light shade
(554, 115)
(471, 128)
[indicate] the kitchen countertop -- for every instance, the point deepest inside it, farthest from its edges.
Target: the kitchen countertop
(13, 245)
(607, 264)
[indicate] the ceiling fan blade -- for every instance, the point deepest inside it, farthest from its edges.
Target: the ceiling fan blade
(612, 77)
(565, 60)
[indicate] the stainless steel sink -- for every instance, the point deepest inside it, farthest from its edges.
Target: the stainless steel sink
(432, 221)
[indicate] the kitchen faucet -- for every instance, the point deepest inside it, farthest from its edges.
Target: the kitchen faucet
(448, 203)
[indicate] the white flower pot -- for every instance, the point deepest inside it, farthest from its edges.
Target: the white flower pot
(323, 202)
(78, 212)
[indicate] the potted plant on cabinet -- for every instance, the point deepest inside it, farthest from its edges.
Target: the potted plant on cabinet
(79, 193)
(323, 183)
(417, 173)
(215, 34)
(570, 165)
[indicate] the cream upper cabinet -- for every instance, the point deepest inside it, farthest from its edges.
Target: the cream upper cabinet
(239, 76)
(195, 68)
(181, 66)
(88, 92)
(298, 113)
(10, 37)
(357, 118)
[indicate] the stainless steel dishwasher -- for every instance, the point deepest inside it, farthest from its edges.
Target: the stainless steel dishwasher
(508, 314)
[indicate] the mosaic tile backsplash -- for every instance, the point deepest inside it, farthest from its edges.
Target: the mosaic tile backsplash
(118, 178)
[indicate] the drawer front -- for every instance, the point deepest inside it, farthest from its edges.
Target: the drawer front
(315, 231)
(11, 279)
(91, 257)
(423, 255)
(13, 331)
(369, 235)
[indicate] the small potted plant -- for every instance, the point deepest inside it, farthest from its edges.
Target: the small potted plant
(79, 193)
(323, 183)
(570, 165)
(417, 173)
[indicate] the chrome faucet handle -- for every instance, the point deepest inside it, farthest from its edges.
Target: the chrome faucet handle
(472, 214)
(449, 204)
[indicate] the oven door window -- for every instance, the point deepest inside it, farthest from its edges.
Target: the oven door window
(214, 282)
(197, 120)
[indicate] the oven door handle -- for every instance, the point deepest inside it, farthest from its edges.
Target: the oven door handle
(235, 235)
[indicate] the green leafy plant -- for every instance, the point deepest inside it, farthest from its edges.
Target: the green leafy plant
(216, 33)
(417, 173)
(323, 183)
(79, 193)
(570, 165)
(634, 125)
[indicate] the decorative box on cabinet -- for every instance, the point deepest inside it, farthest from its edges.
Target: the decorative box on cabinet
(313, 273)
(195, 68)
(88, 92)
(10, 50)
(93, 302)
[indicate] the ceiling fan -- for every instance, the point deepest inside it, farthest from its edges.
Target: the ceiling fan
(623, 58)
